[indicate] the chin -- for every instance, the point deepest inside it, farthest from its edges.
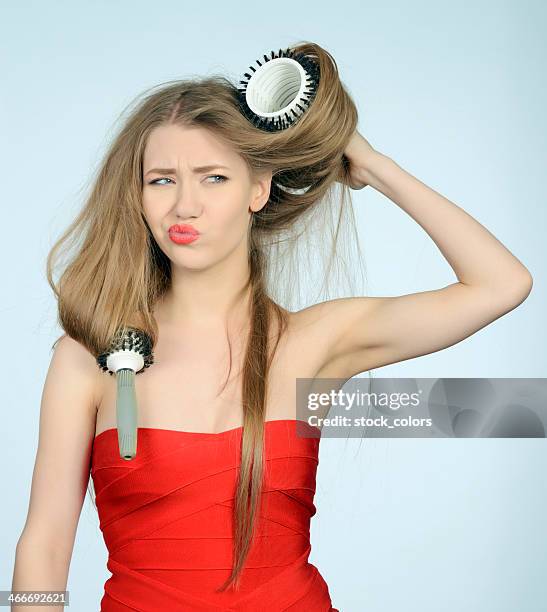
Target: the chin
(192, 262)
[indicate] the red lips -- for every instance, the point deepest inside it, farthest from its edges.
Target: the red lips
(183, 229)
(183, 234)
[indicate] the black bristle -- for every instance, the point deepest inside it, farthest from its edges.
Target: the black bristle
(132, 339)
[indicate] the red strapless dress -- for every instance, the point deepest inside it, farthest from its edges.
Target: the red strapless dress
(166, 519)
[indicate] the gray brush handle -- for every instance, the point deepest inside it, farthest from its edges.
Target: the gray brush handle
(126, 413)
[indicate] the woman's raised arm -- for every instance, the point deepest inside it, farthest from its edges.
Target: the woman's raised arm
(359, 334)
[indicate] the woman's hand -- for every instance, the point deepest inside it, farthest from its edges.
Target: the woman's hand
(357, 152)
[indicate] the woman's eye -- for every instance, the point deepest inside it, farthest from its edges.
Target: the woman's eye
(218, 176)
(155, 181)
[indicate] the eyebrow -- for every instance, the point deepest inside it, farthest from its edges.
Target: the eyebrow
(197, 169)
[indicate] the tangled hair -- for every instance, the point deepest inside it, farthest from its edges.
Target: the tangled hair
(118, 271)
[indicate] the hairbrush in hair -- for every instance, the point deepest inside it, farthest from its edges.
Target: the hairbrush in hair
(130, 353)
(279, 91)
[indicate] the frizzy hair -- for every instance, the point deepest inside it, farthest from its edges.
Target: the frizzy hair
(118, 271)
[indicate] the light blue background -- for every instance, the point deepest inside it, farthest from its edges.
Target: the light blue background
(456, 94)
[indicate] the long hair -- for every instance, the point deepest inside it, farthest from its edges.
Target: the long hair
(118, 271)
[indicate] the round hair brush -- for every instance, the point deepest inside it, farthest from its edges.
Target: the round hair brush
(130, 353)
(279, 91)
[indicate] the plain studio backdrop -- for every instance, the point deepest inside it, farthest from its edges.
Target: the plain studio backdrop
(455, 93)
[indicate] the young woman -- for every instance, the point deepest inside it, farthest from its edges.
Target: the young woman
(177, 238)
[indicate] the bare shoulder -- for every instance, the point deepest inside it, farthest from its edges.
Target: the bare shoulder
(75, 357)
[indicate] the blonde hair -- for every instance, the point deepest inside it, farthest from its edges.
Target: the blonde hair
(118, 271)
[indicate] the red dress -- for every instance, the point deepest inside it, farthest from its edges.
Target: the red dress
(166, 518)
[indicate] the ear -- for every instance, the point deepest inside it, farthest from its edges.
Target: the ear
(261, 190)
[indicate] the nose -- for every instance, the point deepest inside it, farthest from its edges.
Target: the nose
(186, 200)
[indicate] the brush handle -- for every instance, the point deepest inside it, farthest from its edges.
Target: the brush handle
(126, 413)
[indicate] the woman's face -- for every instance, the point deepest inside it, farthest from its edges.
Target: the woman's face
(217, 201)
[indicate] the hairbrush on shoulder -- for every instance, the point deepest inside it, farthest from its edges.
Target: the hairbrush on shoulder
(277, 93)
(130, 353)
